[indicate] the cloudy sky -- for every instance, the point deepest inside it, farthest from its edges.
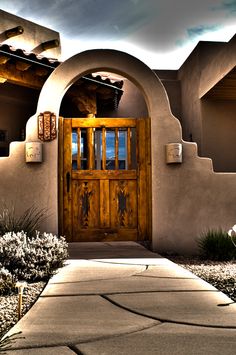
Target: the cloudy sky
(161, 33)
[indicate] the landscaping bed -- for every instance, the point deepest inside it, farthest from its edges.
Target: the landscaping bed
(220, 274)
(9, 305)
(28, 258)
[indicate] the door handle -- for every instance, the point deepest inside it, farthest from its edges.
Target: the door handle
(68, 181)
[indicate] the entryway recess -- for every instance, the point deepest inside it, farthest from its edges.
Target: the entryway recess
(104, 179)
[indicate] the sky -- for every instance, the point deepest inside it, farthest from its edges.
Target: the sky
(161, 33)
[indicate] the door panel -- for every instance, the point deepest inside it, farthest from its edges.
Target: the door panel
(104, 179)
(104, 204)
(85, 196)
(123, 197)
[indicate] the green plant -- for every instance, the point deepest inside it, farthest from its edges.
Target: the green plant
(216, 245)
(29, 221)
(32, 258)
(7, 282)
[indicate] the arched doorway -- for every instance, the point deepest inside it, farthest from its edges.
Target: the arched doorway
(104, 169)
(164, 127)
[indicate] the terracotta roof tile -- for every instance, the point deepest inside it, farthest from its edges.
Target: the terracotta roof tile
(18, 53)
(12, 51)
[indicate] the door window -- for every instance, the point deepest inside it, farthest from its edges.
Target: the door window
(104, 149)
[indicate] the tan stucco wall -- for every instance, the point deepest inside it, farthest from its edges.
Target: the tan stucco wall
(172, 85)
(203, 121)
(24, 184)
(189, 76)
(219, 127)
(186, 198)
(32, 37)
(132, 103)
(220, 60)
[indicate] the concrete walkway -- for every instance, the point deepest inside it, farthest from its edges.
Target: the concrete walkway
(119, 298)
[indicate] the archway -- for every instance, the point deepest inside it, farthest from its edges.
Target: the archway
(105, 146)
(164, 127)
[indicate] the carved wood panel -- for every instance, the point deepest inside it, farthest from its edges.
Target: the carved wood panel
(123, 201)
(85, 197)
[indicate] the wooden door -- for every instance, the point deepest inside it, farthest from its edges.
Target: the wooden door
(104, 179)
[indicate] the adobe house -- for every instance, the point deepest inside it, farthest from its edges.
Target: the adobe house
(119, 160)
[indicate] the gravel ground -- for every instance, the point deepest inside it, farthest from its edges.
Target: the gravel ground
(9, 305)
(222, 275)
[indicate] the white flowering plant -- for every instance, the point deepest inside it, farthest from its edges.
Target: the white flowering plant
(232, 234)
(32, 258)
(7, 282)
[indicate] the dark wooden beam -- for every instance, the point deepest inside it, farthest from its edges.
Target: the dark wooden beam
(21, 77)
(225, 89)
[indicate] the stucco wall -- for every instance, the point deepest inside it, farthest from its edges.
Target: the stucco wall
(172, 85)
(189, 76)
(195, 200)
(221, 59)
(219, 127)
(209, 124)
(132, 103)
(187, 198)
(32, 36)
(24, 185)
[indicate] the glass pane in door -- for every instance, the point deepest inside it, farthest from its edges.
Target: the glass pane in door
(110, 149)
(83, 149)
(122, 152)
(74, 149)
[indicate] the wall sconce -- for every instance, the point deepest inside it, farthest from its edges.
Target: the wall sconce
(47, 124)
(33, 152)
(173, 153)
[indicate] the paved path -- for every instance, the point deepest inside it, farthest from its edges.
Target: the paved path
(119, 298)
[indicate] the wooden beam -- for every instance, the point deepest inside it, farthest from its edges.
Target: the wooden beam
(22, 66)
(103, 122)
(104, 149)
(78, 149)
(2, 80)
(116, 148)
(90, 143)
(129, 161)
(23, 78)
(4, 59)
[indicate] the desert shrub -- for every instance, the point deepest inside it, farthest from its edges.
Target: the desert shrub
(32, 258)
(7, 282)
(29, 221)
(216, 245)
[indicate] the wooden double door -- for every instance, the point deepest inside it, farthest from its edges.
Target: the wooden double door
(104, 190)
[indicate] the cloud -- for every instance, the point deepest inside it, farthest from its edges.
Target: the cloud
(177, 23)
(108, 19)
(198, 31)
(87, 19)
(150, 29)
(228, 6)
